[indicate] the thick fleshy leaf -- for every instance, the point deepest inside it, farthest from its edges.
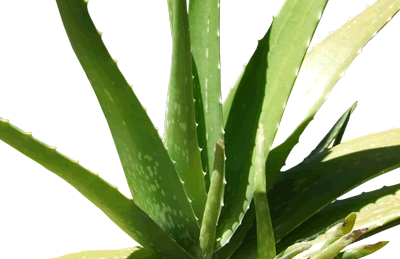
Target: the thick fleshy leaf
(237, 239)
(335, 248)
(265, 233)
(180, 134)
(204, 20)
(261, 97)
(376, 210)
(336, 133)
(293, 250)
(344, 228)
(323, 66)
(361, 251)
(136, 252)
(214, 203)
(121, 210)
(300, 192)
(152, 178)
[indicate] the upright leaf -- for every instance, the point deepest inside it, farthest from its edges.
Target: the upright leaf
(214, 204)
(180, 128)
(170, 8)
(265, 233)
(261, 97)
(204, 20)
(153, 181)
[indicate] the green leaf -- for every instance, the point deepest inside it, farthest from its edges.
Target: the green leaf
(368, 206)
(204, 20)
(361, 251)
(171, 17)
(214, 204)
(261, 97)
(300, 192)
(293, 250)
(336, 133)
(340, 231)
(323, 66)
(151, 175)
(265, 233)
(180, 134)
(136, 252)
(335, 248)
(121, 210)
(227, 105)
(237, 239)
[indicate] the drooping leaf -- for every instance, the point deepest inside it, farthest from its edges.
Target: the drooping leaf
(152, 178)
(121, 210)
(180, 134)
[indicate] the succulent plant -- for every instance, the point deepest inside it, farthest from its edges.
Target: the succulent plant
(193, 190)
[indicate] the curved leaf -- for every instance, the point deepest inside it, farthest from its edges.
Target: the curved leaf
(300, 192)
(121, 210)
(323, 66)
(384, 201)
(293, 250)
(361, 251)
(153, 181)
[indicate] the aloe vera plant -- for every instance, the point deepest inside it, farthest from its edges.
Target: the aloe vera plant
(167, 215)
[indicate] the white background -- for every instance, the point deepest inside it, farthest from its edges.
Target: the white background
(44, 90)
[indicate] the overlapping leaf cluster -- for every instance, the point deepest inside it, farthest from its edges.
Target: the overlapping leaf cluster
(193, 192)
